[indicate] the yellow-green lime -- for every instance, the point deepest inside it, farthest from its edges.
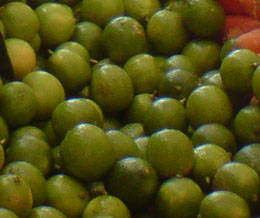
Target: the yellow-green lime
(36, 42)
(142, 143)
(133, 130)
(7, 213)
(4, 132)
(255, 83)
(111, 123)
(46, 211)
(2, 29)
(56, 158)
(51, 137)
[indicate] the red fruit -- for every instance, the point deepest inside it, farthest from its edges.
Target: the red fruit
(232, 7)
(252, 7)
(237, 25)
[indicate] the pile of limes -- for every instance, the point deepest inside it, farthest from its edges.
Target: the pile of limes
(127, 108)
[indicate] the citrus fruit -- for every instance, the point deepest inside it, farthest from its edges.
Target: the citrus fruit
(2, 156)
(178, 197)
(32, 176)
(170, 152)
(20, 21)
(111, 123)
(46, 211)
(51, 137)
(18, 104)
(48, 91)
(255, 83)
(133, 180)
(166, 32)
(71, 112)
(214, 80)
(208, 104)
(141, 143)
(123, 38)
(22, 56)
(111, 88)
(61, 187)
(223, 204)
(7, 213)
(15, 195)
(101, 12)
(96, 188)
(80, 152)
(36, 42)
(106, 206)
(133, 130)
(57, 23)
(2, 29)
(4, 132)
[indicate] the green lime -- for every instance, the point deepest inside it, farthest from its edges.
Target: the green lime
(101, 63)
(249, 155)
(144, 72)
(111, 123)
(178, 197)
(96, 188)
(133, 180)
(133, 130)
(255, 84)
(56, 158)
(36, 42)
(174, 5)
(205, 54)
(106, 206)
(70, 68)
(74, 111)
(161, 62)
(76, 47)
(51, 137)
(170, 152)
(178, 84)
(246, 124)
(123, 38)
(80, 152)
(208, 159)
(142, 143)
(141, 10)
(2, 29)
(123, 144)
(6, 213)
(222, 204)
(22, 56)
(214, 133)
(67, 195)
(237, 70)
(166, 32)
(41, 63)
(182, 62)
(33, 150)
(111, 88)
(20, 21)
(48, 91)
(227, 47)
(238, 178)
(2, 156)
(4, 132)
(204, 18)
(46, 211)
(18, 104)
(101, 12)
(208, 104)
(214, 80)
(89, 35)
(15, 195)
(57, 23)
(32, 176)
(165, 113)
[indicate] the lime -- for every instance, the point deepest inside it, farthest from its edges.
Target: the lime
(166, 32)
(22, 56)
(67, 195)
(71, 112)
(51, 137)
(165, 113)
(2, 156)
(214, 80)
(222, 204)
(96, 188)
(57, 23)
(80, 152)
(123, 144)
(76, 47)
(144, 72)
(123, 38)
(204, 18)
(7, 213)
(33, 150)
(170, 152)
(205, 54)
(4, 132)
(111, 88)
(208, 159)
(111, 123)
(214, 133)
(133, 180)
(70, 68)
(32, 176)
(18, 104)
(237, 70)
(142, 143)
(101, 12)
(41, 63)
(89, 35)
(56, 158)
(246, 124)
(46, 211)
(133, 130)
(255, 84)
(20, 21)
(101, 63)
(106, 206)
(238, 178)
(48, 91)
(161, 62)
(2, 29)
(227, 47)
(208, 104)
(36, 42)
(15, 195)
(249, 155)
(178, 197)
